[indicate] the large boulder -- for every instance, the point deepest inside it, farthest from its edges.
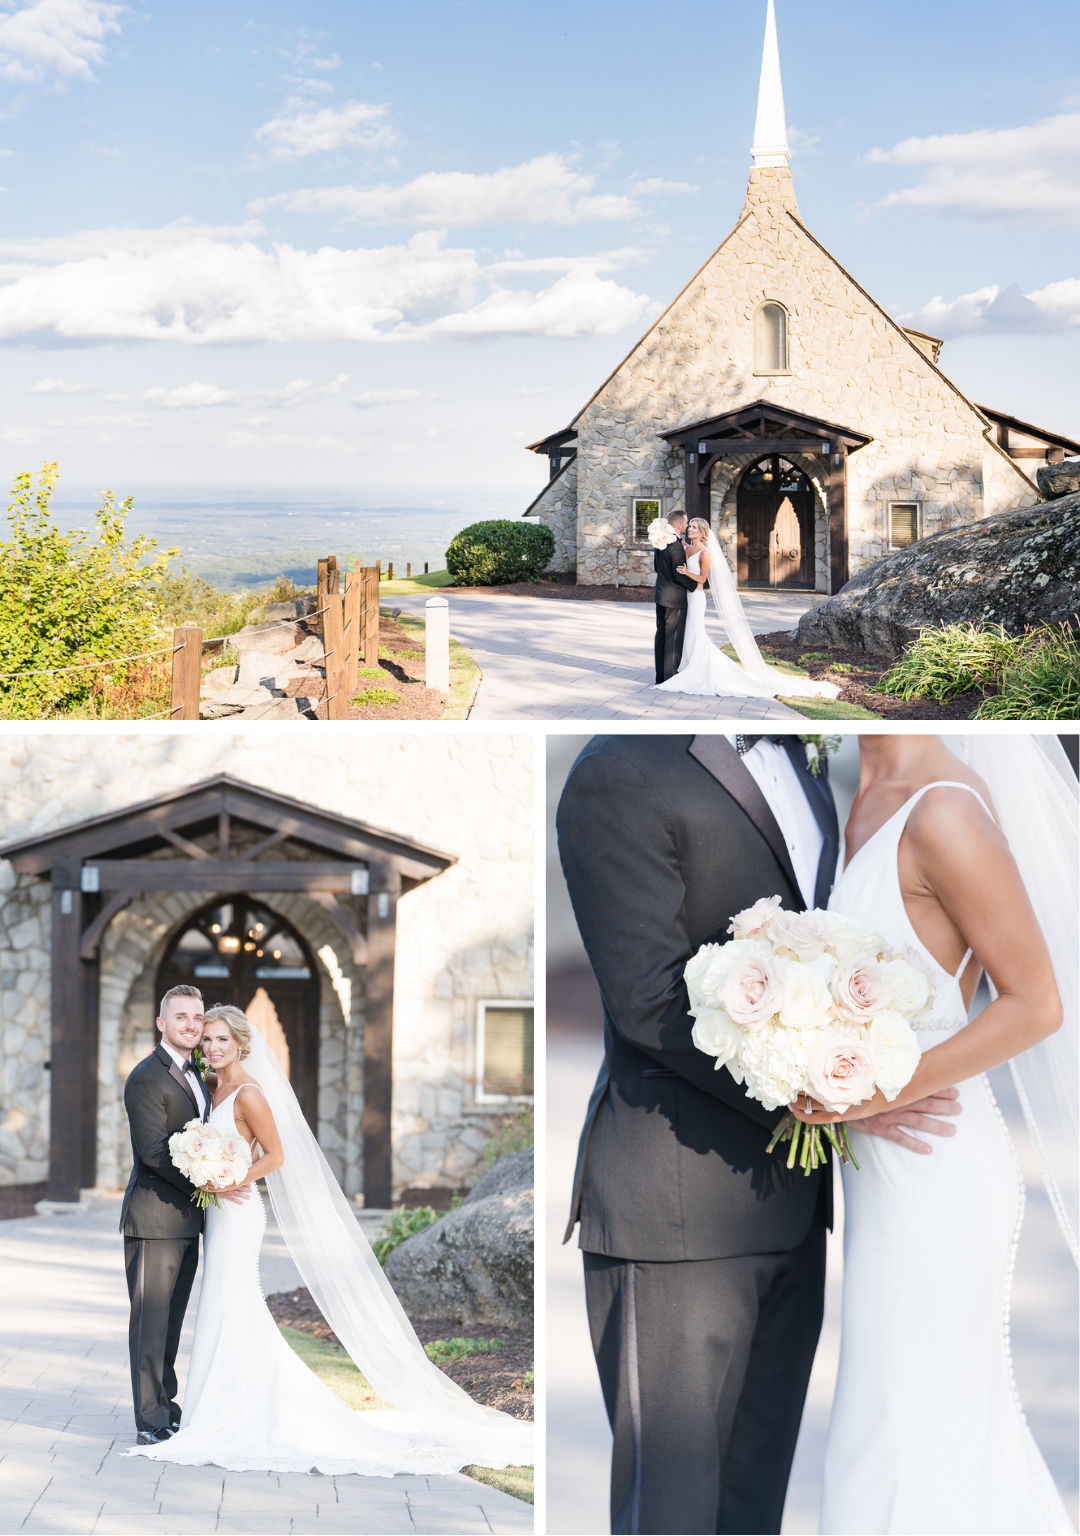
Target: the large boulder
(475, 1265)
(270, 639)
(1016, 569)
(1059, 479)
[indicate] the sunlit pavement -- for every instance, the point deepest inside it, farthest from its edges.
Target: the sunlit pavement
(1044, 1327)
(65, 1416)
(555, 659)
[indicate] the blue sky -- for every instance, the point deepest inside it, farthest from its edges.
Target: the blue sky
(384, 247)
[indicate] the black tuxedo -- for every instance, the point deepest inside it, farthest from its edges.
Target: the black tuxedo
(161, 1226)
(704, 1256)
(669, 594)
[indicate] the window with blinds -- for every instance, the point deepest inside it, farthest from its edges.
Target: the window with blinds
(903, 524)
(646, 510)
(504, 1051)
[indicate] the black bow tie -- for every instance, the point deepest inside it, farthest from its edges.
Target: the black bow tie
(745, 744)
(189, 1066)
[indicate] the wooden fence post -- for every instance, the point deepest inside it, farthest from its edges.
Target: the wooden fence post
(337, 698)
(408, 571)
(320, 597)
(332, 575)
(186, 674)
(352, 630)
(437, 644)
(370, 604)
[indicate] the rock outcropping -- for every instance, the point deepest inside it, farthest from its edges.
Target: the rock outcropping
(1059, 479)
(280, 676)
(475, 1265)
(1016, 569)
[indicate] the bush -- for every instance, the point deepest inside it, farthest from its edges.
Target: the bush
(496, 553)
(69, 598)
(513, 1134)
(399, 1225)
(187, 599)
(1042, 683)
(951, 660)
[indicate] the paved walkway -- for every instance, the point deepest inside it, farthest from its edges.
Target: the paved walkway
(556, 659)
(65, 1417)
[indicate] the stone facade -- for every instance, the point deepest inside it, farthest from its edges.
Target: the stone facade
(849, 365)
(463, 937)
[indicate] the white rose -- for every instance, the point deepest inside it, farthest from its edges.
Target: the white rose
(861, 990)
(852, 942)
(752, 990)
(706, 972)
(716, 1035)
(660, 533)
(911, 987)
(806, 1001)
(895, 1052)
(806, 935)
(753, 922)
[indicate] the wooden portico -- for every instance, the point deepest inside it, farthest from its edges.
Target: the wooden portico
(761, 429)
(224, 838)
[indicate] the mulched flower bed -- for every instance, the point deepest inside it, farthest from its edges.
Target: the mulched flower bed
(19, 1199)
(406, 695)
(492, 1378)
(858, 686)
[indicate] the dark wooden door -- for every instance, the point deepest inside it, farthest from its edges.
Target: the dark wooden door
(775, 527)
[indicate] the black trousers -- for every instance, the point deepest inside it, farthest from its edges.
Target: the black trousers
(160, 1272)
(670, 628)
(704, 1367)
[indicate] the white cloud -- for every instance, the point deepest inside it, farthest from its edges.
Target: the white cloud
(298, 391)
(60, 387)
(21, 437)
(200, 286)
(545, 190)
(994, 311)
(372, 397)
(125, 419)
(658, 184)
(320, 130)
(603, 261)
(58, 39)
(188, 397)
(1030, 173)
(248, 440)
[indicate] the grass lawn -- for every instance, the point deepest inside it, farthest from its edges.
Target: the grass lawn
(813, 709)
(464, 673)
(418, 586)
(332, 1365)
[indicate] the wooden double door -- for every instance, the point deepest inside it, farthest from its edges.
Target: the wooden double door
(775, 526)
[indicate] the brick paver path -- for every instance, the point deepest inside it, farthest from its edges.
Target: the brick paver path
(65, 1418)
(552, 659)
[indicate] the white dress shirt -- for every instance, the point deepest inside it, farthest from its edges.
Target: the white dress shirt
(193, 1078)
(773, 772)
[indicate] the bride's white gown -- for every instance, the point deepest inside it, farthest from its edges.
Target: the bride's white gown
(927, 1432)
(250, 1402)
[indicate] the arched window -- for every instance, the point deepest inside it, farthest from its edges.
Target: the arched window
(770, 339)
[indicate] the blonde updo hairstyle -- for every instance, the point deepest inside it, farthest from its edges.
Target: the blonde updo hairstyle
(701, 525)
(235, 1021)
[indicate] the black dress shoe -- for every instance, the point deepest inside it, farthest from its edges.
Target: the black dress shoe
(155, 1436)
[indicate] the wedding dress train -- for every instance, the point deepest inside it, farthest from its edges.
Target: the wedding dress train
(927, 1433)
(704, 669)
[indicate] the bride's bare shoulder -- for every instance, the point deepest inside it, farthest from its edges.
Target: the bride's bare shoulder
(948, 813)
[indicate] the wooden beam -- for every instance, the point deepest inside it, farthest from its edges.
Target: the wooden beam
(226, 879)
(379, 1048)
(67, 1096)
(725, 446)
(93, 933)
(224, 831)
(836, 480)
(191, 849)
(251, 854)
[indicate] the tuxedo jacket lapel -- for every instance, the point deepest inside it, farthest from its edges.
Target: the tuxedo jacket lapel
(180, 1077)
(819, 797)
(718, 757)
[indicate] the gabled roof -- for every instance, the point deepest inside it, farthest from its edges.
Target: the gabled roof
(558, 473)
(1013, 423)
(748, 425)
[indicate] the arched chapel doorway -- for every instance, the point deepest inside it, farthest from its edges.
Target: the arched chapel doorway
(238, 951)
(775, 526)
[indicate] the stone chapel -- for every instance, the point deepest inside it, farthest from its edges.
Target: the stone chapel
(777, 399)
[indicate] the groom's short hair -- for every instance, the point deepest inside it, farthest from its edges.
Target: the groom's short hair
(677, 517)
(181, 991)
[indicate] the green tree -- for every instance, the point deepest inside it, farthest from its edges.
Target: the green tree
(70, 598)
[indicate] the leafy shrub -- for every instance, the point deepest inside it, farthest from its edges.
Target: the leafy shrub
(384, 696)
(951, 660)
(496, 553)
(1042, 683)
(460, 1349)
(70, 598)
(399, 1225)
(513, 1133)
(187, 599)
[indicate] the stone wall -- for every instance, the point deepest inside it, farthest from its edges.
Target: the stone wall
(556, 507)
(464, 936)
(849, 365)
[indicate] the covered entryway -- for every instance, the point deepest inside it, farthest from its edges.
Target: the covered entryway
(233, 846)
(775, 540)
(243, 953)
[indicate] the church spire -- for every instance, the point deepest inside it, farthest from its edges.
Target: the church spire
(770, 128)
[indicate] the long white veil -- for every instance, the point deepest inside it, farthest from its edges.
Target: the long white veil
(729, 608)
(1036, 796)
(348, 1284)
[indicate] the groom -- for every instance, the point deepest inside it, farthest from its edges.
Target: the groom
(159, 1220)
(704, 1256)
(669, 594)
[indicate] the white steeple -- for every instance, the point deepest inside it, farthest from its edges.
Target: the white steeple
(770, 129)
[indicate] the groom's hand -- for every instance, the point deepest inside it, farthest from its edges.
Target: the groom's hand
(922, 1115)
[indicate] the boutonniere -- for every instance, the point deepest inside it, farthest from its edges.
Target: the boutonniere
(821, 747)
(202, 1066)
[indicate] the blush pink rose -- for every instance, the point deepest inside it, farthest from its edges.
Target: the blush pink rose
(752, 923)
(840, 1074)
(752, 991)
(861, 990)
(196, 1146)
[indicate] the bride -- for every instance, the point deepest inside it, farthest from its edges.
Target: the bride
(251, 1404)
(971, 863)
(704, 669)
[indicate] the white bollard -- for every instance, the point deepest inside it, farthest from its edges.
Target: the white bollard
(437, 643)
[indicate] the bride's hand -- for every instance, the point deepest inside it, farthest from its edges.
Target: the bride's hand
(682, 570)
(811, 1113)
(237, 1193)
(919, 1116)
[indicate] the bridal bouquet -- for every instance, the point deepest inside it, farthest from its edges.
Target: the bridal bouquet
(660, 533)
(808, 1003)
(205, 1154)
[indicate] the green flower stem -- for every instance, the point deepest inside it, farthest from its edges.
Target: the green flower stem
(783, 1130)
(794, 1142)
(804, 1156)
(836, 1143)
(847, 1141)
